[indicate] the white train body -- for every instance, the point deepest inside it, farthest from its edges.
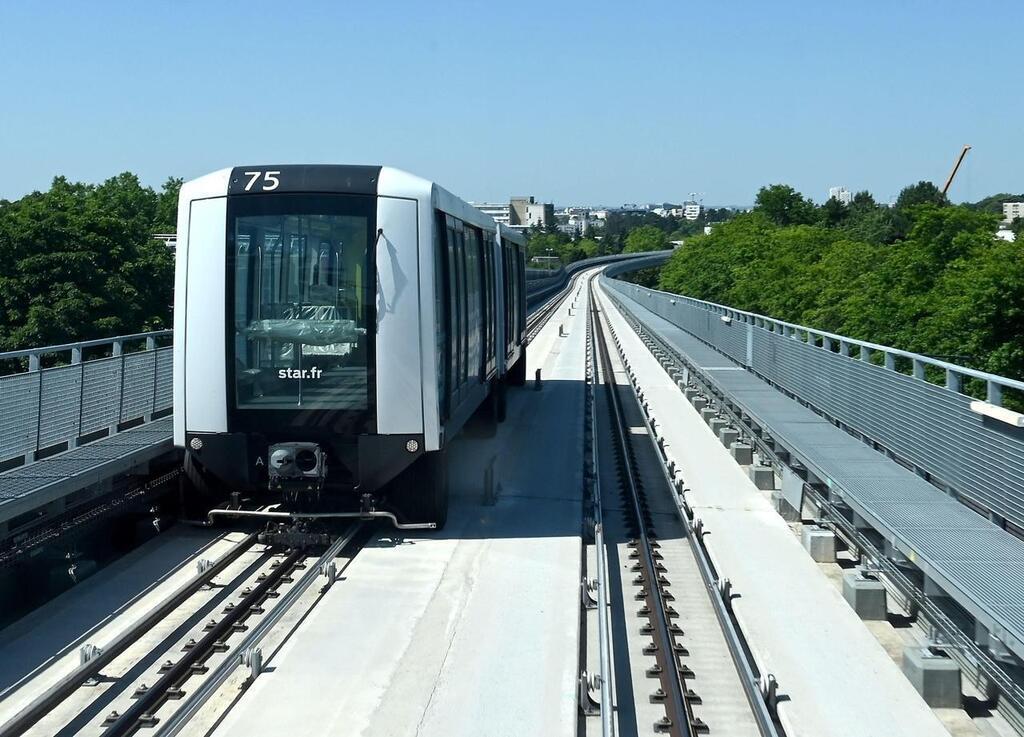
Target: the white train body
(361, 309)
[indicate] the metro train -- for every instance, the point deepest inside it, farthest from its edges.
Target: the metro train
(335, 327)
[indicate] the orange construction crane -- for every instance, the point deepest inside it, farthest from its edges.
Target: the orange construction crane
(956, 168)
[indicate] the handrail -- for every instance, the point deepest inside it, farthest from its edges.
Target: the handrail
(954, 373)
(117, 344)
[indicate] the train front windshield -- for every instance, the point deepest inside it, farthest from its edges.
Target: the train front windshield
(300, 279)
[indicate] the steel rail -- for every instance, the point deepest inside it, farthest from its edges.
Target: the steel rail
(150, 699)
(749, 676)
(679, 712)
(53, 696)
(605, 672)
(536, 321)
(213, 681)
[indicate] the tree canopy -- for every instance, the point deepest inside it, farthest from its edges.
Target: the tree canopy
(646, 238)
(783, 205)
(925, 276)
(79, 261)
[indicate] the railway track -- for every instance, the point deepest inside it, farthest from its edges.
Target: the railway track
(162, 687)
(684, 669)
(539, 318)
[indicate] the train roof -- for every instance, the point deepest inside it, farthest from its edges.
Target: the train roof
(350, 179)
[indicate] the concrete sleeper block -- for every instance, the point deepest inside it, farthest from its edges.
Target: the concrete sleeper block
(935, 676)
(866, 596)
(728, 436)
(742, 453)
(762, 476)
(820, 543)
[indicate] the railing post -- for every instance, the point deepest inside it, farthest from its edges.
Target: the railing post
(919, 369)
(33, 362)
(117, 348)
(993, 393)
(76, 354)
(844, 348)
(954, 382)
(39, 413)
(73, 442)
(890, 361)
(865, 353)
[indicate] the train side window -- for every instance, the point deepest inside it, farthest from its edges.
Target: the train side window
(510, 306)
(521, 282)
(453, 311)
(460, 243)
(488, 267)
(474, 302)
(442, 300)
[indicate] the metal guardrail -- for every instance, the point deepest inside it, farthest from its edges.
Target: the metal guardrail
(934, 428)
(42, 408)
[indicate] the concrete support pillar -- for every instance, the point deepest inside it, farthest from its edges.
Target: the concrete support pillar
(742, 453)
(699, 403)
(717, 424)
(820, 543)
(728, 436)
(707, 414)
(936, 676)
(865, 595)
(690, 393)
(762, 476)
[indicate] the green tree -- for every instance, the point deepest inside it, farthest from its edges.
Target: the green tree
(80, 263)
(922, 193)
(783, 205)
(833, 213)
(166, 220)
(646, 238)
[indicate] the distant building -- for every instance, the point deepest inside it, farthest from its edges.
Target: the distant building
(840, 194)
(500, 212)
(692, 210)
(520, 212)
(1006, 234)
(538, 214)
(1012, 211)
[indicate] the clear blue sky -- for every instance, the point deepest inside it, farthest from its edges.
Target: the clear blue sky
(590, 102)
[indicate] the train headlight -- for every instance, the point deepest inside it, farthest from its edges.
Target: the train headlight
(412, 445)
(195, 444)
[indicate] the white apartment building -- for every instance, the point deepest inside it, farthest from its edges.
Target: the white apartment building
(500, 212)
(1012, 211)
(841, 194)
(692, 210)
